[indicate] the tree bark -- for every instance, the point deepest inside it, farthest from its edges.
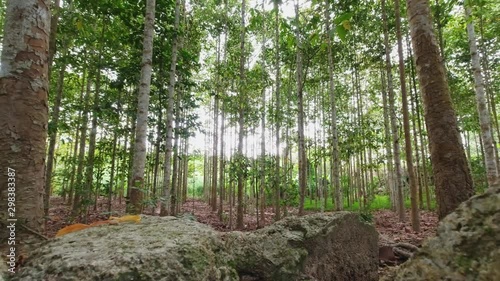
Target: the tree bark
(482, 109)
(394, 128)
(54, 22)
(300, 118)
(241, 121)
(339, 204)
(81, 153)
(52, 140)
(24, 110)
(277, 183)
(452, 176)
(415, 216)
(167, 181)
(139, 160)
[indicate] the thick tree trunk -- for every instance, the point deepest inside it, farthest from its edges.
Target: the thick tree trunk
(23, 110)
(452, 176)
(482, 109)
(139, 161)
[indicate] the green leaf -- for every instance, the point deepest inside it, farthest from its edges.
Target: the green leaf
(341, 31)
(342, 18)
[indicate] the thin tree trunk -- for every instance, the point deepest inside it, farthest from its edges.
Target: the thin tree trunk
(213, 201)
(52, 140)
(415, 216)
(139, 161)
(241, 97)
(222, 164)
(277, 69)
(73, 168)
(482, 109)
(167, 182)
(339, 204)
(81, 154)
(112, 176)
(394, 128)
(261, 219)
(300, 117)
(54, 22)
(174, 198)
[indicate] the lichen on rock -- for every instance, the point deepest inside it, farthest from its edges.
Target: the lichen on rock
(467, 245)
(335, 246)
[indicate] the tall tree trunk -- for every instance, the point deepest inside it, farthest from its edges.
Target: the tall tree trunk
(277, 180)
(167, 181)
(81, 154)
(482, 109)
(339, 204)
(52, 140)
(54, 22)
(394, 128)
(414, 110)
(73, 168)
(174, 189)
(89, 169)
(415, 217)
(241, 121)
(213, 201)
(261, 219)
(23, 110)
(487, 86)
(387, 135)
(452, 176)
(300, 117)
(112, 176)
(139, 161)
(222, 164)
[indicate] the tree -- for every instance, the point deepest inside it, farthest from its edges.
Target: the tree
(300, 115)
(482, 109)
(415, 219)
(168, 187)
(139, 160)
(339, 204)
(277, 185)
(24, 109)
(452, 176)
(241, 121)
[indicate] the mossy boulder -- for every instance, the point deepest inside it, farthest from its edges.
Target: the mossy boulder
(467, 245)
(316, 247)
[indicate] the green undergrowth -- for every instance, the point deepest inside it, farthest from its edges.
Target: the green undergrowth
(380, 202)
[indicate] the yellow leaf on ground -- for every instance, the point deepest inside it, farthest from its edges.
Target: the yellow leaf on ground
(133, 218)
(72, 228)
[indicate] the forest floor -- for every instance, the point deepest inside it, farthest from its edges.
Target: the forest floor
(385, 221)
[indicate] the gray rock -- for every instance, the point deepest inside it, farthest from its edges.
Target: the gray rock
(467, 245)
(317, 247)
